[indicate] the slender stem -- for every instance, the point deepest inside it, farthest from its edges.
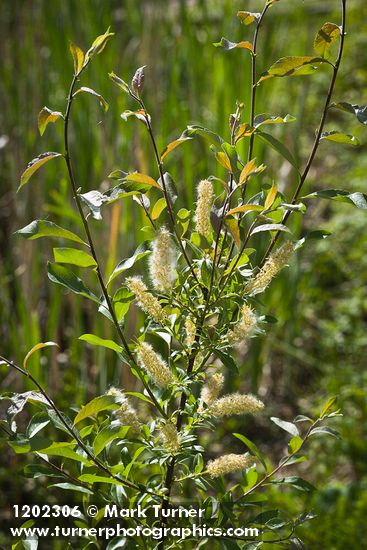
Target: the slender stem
(71, 431)
(93, 250)
(164, 186)
(319, 130)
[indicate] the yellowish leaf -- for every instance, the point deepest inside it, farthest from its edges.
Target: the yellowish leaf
(35, 348)
(137, 177)
(78, 57)
(173, 145)
(271, 196)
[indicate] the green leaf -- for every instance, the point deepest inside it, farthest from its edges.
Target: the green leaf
(136, 177)
(171, 146)
(324, 430)
(45, 117)
(248, 17)
(265, 118)
(359, 112)
(287, 426)
(139, 396)
(340, 138)
(328, 406)
(98, 45)
(37, 423)
(252, 447)
(35, 164)
(297, 482)
(292, 66)
(142, 251)
(35, 348)
(209, 135)
(278, 146)
(108, 434)
(270, 227)
(64, 450)
(44, 228)
(295, 444)
(97, 405)
(103, 103)
(78, 57)
(357, 199)
(226, 360)
(121, 302)
(92, 478)
(63, 276)
(119, 82)
(327, 35)
(73, 256)
(97, 341)
(158, 208)
(227, 45)
(19, 400)
(72, 487)
(245, 208)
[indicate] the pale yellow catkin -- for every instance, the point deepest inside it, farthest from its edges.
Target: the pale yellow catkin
(236, 403)
(229, 463)
(190, 328)
(170, 437)
(146, 300)
(162, 262)
(270, 269)
(153, 363)
(212, 388)
(244, 327)
(127, 415)
(203, 207)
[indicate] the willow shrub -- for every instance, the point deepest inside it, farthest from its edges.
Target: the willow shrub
(199, 293)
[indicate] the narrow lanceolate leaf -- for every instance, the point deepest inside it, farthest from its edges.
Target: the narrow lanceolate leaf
(136, 177)
(271, 196)
(138, 79)
(357, 198)
(209, 135)
(108, 434)
(93, 478)
(158, 208)
(64, 450)
(250, 169)
(292, 66)
(287, 426)
(142, 251)
(45, 228)
(97, 405)
(35, 348)
(340, 138)
(359, 111)
(248, 17)
(234, 230)
(325, 38)
(35, 164)
(228, 45)
(98, 45)
(265, 118)
(140, 115)
(245, 208)
(278, 146)
(244, 130)
(119, 82)
(73, 256)
(45, 116)
(252, 447)
(223, 159)
(103, 103)
(173, 145)
(270, 227)
(78, 57)
(97, 341)
(65, 277)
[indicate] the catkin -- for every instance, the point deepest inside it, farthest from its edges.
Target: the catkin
(227, 464)
(162, 262)
(127, 415)
(146, 300)
(212, 388)
(153, 363)
(203, 207)
(170, 437)
(245, 326)
(236, 403)
(270, 269)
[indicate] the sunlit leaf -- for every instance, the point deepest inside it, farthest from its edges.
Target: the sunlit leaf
(94, 200)
(137, 82)
(103, 103)
(65, 277)
(265, 118)
(121, 302)
(35, 348)
(73, 256)
(45, 116)
(244, 130)
(245, 208)
(98, 45)
(64, 450)
(108, 434)
(228, 45)
(97, 341)
(328, 406)
(252, 447)
(326, 36)
(270, 227)
(140, 115)
(142, 251)
(92, 478)
(97, 405)
(119, 82)
(234, 230)
(295, 444)
(45, 228)
(271, 197)
(223, 159)
(173, 145)
(78, 57)
(287, 426)
(357, 199)
(289, 66)
(340, 138)
(248, 17)
(207, 134)
(35, 164)
(136, 177)
(324, 430)
(158, 208)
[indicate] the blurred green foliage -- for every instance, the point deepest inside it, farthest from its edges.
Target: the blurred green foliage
(318, 346)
